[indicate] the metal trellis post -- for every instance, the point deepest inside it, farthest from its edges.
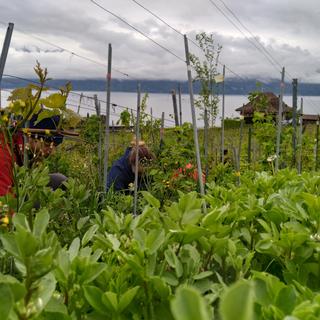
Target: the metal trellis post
(249, 144)
(180, 105)
(206, 141)
(193, 113)
(175, 107)
(5, 49)
(107, 125)
(100, 173)
(222, 116)
(79, 106)
(317, 144)
(279, 124)
(294, 120)
(300, 137)
(162, 131)
(137, 151)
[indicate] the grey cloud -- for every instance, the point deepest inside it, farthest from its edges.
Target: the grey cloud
(287, 32)
(36, 49)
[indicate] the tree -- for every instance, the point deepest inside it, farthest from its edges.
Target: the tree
(206, 74)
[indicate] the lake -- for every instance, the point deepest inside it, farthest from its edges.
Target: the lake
(160, 102)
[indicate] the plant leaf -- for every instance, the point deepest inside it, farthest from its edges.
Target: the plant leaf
(188, 304)
(237, 302)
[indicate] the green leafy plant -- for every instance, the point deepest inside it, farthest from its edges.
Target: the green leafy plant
(206, 73)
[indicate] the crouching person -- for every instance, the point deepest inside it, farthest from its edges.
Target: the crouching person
(40, 143)
(121, 174)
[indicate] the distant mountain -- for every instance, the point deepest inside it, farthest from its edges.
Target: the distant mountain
(232, 86)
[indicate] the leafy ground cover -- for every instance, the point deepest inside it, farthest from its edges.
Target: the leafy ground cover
(248, 251)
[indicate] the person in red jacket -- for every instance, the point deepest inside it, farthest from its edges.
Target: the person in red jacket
(39, 145)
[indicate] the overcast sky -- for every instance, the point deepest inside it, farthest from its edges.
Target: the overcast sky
(288, 29)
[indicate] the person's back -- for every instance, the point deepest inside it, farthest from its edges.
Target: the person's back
(120, 174)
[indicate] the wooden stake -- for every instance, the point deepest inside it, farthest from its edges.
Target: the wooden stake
(107, 125)
(180, 105)
(300, 137)
(193, 113)
(152, 128)
(5, 49)
(113, 135)
(249, 144)
(279, 124)
(100, 166)
(79, 106)
(175, 108)
(236, 158)
(222, 117)
(137, 151)
(206, 125)
(240, 143)
(294, 120)
(162, 131)
(317, 145)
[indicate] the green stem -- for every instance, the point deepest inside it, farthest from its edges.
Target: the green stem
(149, 302)
(224, 269)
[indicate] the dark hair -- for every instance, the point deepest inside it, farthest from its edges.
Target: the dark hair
(145, 155)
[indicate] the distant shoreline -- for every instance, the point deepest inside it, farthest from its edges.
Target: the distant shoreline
(232, 86)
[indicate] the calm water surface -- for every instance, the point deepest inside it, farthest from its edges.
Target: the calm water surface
(160, 102)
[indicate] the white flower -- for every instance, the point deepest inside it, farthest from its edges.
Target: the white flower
(272, 158)
(315, 237)
(131, 186)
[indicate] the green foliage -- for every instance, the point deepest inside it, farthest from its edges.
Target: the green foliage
(125, 118)
(188, 305)
(237, 302)
(169, 172)
(264, 130)
(27, 101)
(90, 129)
(148, 126)
(254, 254)
(206, 71)
(33, 251)
(230, 123)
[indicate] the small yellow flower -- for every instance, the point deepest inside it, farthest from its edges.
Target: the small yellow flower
(5, 220)
(47, 132)
(25, 130)
(237, 173)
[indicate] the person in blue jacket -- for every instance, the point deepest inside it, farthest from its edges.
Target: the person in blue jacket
(121, 174)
